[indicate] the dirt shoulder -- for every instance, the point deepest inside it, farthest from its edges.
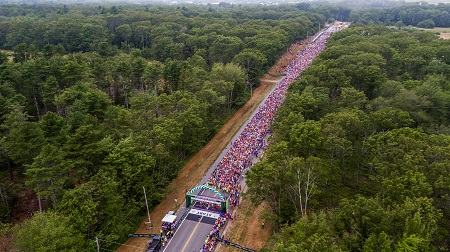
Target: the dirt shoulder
(193, 171)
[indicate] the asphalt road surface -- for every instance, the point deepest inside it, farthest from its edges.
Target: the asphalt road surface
(192, 232)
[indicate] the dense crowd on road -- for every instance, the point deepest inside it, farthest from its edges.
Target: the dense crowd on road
(247, 147)
(211, 239)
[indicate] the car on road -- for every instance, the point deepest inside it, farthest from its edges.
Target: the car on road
(154, 245)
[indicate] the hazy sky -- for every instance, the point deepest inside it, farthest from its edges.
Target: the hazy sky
(211, 1)
(430, 1)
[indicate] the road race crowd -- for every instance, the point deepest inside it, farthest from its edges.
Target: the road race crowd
(252, 140)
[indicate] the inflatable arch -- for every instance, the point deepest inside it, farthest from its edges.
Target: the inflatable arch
(209, 188)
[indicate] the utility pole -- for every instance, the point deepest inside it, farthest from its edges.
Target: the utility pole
(251, 95)
(146, 204)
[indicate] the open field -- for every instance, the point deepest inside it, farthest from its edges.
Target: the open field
(444, 31)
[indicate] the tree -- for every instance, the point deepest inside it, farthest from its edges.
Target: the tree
(124, 31)
(309, 233)
(381, 243)
(228, 81)
(74, 70)
(411, 184)
(412, 243)
(153, 73)
(192, 79)
(223, 49)
(428, 23)
(24, 142)
(49, 174)
(20, 54)
(352, 98)
(3, 57)
(306, 138)
(86, 96)
(385, 119)
(358, 218)
(81, 206)
(267, 180)
(86, 148)
(52, 124)
(365, 71)
(171, 72)
(49, 90)
(305, 173)
(132, 165)
(48, 231)
(253, 61)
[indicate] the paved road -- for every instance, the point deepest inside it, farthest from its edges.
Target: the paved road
(191, 234)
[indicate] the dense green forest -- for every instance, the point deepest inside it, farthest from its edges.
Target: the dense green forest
(360, 155)
(97, 102)
(423, 15)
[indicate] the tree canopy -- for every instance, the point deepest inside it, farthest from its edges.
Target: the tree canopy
(367, 127)
(97, 102)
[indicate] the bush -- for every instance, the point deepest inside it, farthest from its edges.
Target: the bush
(426, 24)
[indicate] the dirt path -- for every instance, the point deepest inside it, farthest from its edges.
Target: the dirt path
(193, 172)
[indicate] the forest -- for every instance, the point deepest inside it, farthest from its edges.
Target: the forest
(97, 102)
(423, 15)
(360, 155)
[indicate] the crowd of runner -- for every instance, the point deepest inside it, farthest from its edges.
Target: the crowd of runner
(247, 146)
(211, 239)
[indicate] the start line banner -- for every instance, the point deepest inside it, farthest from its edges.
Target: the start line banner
(204, 213)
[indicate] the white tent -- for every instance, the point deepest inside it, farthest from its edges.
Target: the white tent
(169, 218)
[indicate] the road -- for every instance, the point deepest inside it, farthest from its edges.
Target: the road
(193, 231)
(191, 234)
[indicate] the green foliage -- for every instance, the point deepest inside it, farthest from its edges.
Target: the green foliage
(49, 173)
(428, 23)
(376, 242)
(405, 14)
(132, 165)
(96, 103)
(306, 138)
(24, 141)
(367, 110)
(83, 98)
(48, 231)
(312, 233)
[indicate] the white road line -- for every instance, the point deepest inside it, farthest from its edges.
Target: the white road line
(170, 240)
